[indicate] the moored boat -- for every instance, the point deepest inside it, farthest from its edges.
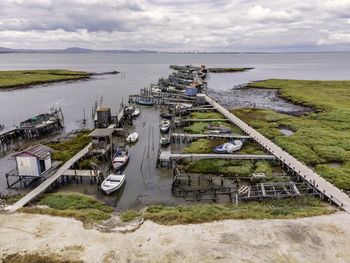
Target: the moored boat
(229, 147)
(133, 137)
(136, 112)
(112, 183)
(145, 102)
(165, 125)
(120, 159)
(164, 140)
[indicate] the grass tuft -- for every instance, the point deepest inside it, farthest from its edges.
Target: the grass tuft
(129, 215)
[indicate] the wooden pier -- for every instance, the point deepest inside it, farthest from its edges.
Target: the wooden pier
(330, 191)
(187, 137)
(166, 156)
(42, 187)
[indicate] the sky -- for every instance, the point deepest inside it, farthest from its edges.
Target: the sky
(177, 25)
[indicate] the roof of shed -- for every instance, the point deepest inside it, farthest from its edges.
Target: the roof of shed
(40, 151)
(102, 132)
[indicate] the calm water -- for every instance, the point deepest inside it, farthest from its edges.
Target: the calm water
(138, 71)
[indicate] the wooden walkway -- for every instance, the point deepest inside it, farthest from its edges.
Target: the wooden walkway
(210, 136)
(42, 187)
(167, 156)
(329, 190)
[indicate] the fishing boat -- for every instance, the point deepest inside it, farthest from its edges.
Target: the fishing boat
(112, 183)
(229, 147)
(120, 159)
(165, 125)
(133, 137)
(136, 112)
(164, 140)
(145, 102)
(166, 115)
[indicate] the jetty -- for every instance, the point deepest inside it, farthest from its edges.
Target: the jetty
(301, 170)
(166, 158)
(53, 178)
(188, 137)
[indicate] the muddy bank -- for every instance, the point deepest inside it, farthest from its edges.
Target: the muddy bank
(257, 98)
(299, 240)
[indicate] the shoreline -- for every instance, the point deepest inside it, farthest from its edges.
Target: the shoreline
(83, 76)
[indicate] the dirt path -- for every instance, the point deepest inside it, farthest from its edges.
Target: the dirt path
(316, 239)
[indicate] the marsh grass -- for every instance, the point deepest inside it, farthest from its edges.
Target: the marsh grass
(320, 137)
(67, 149)
(129, 215)
(271, 209)
(36, 258)
(79, 206)
(20, 78)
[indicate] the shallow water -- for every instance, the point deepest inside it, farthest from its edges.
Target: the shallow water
(148, 184)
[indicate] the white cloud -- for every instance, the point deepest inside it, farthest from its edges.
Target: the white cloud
(229, 25)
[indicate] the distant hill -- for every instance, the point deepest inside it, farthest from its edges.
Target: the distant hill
(74, 50)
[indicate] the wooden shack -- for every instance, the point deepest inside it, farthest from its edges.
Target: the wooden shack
(34, 161)
(102, 140)
(104, 117)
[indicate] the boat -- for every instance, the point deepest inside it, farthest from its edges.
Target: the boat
(120, 159)
(145, 102)
(164, 140)
(136, 112)
(165, 125)
(133, 137)
(229, 147)
(217, 129)
(166, 115)
(112, 183)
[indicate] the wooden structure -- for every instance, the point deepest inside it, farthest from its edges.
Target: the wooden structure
(188, 137)
(103, 117)
(289, 162)
(49, 181)
(102, 140)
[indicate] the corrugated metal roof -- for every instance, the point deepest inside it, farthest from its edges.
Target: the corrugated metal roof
(102, 132)
(40, 151)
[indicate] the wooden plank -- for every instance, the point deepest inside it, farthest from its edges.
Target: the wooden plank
(43, 186)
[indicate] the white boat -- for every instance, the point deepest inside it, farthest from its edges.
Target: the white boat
(165, 125)
(112, 183)
(136, 112)
(120, 159)
(229, 147)
(164, 140)
(133, 137)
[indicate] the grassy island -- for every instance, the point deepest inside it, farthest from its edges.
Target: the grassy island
(321, 139)
(24, 78)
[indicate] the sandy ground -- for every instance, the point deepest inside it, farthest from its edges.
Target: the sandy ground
(316, 239)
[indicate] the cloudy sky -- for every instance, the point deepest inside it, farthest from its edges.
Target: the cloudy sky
(177, 25)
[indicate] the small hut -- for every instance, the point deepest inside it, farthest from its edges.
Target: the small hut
(103, 117)
(34, 161)
(102, 140)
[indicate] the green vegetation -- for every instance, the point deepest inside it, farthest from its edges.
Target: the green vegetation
(203, 146)
(272, 209)
(199, 127)
(206, 115)
(319, 138)
(79, 206)
(22, 78)
(242, 168)
(36, 258)
(11, 199)
(227, 70)
(67, 149)
(129, 215)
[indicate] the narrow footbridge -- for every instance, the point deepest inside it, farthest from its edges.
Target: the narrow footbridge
(330, 191)
(43, 186)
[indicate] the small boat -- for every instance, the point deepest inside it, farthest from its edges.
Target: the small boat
(165, 125)
(133, 137)
(164, 140)
(145, 102)
(166, 115)
(229, 147)
(120, 159)
(136, 112)
(213, 127)
(112, 183)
